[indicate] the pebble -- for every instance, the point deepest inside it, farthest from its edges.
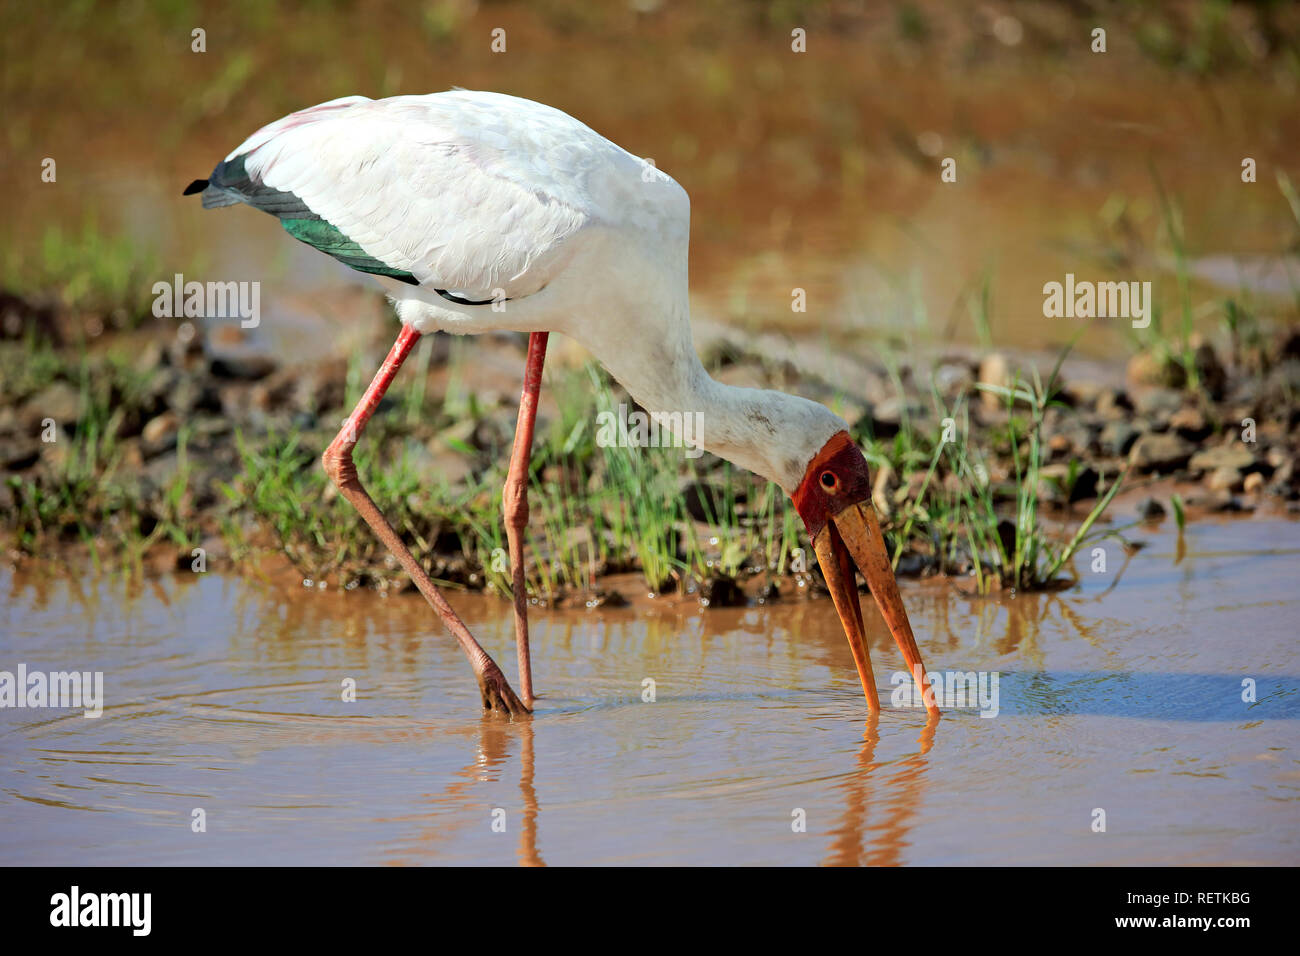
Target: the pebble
(1155, 451)
(1150, 510)
(1117, 438)
(721, 591)
(1145, 369)
(59, 401)
(1224, 479)
(1113, 405)
(953, 379)
(994, 371)
(159, 434)
(1159, 403)
(1190, 423)
(1236, 457)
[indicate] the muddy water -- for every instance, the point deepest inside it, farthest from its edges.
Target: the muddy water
(224, 694)
(819, 173)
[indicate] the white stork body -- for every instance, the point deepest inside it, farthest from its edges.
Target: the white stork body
(482, 212)
(489, 198)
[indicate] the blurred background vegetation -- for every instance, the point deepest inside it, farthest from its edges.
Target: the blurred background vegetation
(816, 170)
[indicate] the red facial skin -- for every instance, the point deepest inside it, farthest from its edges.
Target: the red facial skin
(836, 478)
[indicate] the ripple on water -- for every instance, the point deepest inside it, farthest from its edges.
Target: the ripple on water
(227, 696)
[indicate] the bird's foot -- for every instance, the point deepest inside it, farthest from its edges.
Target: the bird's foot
(497, 693)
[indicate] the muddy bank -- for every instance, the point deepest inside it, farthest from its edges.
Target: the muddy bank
(175, 446)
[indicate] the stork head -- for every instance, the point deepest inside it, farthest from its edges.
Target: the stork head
(834, 501)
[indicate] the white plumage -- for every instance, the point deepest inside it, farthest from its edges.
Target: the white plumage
(488, 196)
(472, 192)
(482, 212)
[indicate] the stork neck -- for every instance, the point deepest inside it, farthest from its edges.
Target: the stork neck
(767, 432)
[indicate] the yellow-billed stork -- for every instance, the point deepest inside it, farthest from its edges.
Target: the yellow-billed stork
(482, 212)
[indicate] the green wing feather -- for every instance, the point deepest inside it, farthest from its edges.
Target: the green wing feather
(328, 239)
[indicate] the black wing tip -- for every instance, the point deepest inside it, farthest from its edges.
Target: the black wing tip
(195, 187)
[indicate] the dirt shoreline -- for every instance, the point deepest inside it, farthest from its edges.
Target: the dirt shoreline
(155, 443)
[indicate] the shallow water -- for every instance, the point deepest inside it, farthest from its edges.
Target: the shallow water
(224, 694)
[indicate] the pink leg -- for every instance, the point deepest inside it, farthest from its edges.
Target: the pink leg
(515, 500)
(337, 460)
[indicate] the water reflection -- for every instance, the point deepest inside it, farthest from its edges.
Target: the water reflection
(856, 841)
(463, 799)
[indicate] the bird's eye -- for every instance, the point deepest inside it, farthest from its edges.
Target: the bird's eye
(830, 482)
